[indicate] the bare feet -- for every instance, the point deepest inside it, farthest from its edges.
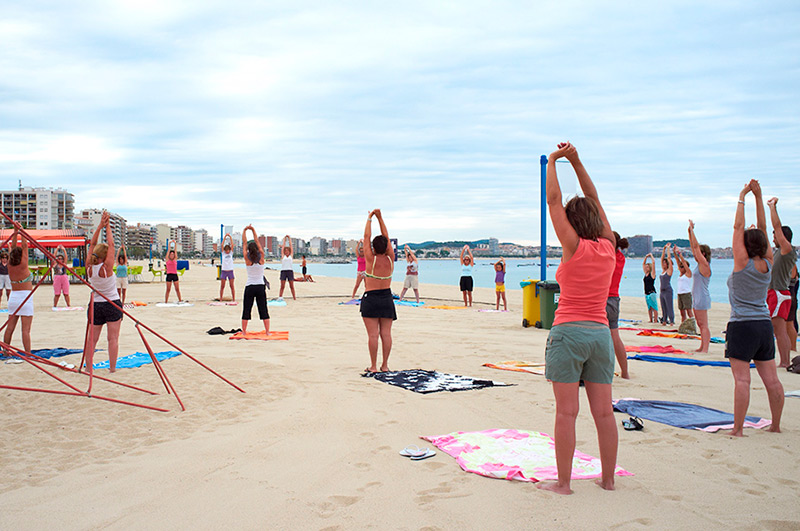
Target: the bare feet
(774, 429)
(384, 368)
(554, 486)
(371, 369)
(606, 485)
(782, 366)
(702, 351)
(626, 376)
(736, 433)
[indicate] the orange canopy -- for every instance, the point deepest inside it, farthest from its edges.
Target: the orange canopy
(52, 238)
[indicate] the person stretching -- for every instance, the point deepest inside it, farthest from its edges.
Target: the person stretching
(612, 305)
(122, 272)
(20, 301)
(650, 287)
(287, 273)
(779, 298)
(500, 284)
(103, 312)
(684, 287)
(255, 289)
(579, 345)
(412, 274)
(701, 298)
(465, 283)
(749, 333)
(377, 305)
(5, 280)
(171, 265)
(60, 277)
(226, 268)
(361, 266)
(667, 308)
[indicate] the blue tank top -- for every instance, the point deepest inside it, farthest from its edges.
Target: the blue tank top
(122, 271)
(466, 270)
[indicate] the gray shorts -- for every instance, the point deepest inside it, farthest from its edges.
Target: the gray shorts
(612, 312)
(684, 301)
(411, 281)
(581, 350)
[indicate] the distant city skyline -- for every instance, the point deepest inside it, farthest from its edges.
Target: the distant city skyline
(300, 118)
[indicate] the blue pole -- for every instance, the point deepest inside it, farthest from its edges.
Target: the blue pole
(221, 236)
(543, 238)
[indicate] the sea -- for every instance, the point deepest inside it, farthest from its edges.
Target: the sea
(447, 272)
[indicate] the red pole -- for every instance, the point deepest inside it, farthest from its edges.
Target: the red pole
(15, 388)
(161, 370)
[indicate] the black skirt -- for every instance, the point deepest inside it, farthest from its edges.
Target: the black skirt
(378, 304)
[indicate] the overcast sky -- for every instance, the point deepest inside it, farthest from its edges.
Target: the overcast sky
(299, 116)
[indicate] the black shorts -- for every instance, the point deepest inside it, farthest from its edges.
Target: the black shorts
(106, 312)
(172, 277)
(305, 270)
(465, 283)
(287, 274)
(750, 340)
(378, 304)
(255, 293)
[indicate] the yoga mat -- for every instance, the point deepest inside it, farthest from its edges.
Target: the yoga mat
(494, 311)
(415, 304)
(226, 303)
(681, 415)
(794, 394)
(445, 307)
(351, 302)
(518, 366)
(422, 381)
(511, 454)
(52, 352)
(173, 304)
(683, 361)
(276, 302)
(137, 360)
(261, 335)
(67, 308)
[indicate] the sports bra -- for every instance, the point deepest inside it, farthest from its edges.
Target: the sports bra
(370, 275)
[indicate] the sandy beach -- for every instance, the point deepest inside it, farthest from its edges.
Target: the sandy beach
(314, 445)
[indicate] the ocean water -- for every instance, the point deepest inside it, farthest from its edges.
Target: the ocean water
(448, 272)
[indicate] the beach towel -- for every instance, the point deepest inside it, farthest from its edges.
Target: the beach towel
(657, 333)
(351, 302)
(638, 329)
(67, 308)
(657, 349)
(519, 455)
(681, 415)
(51, 352)
(134, 304)
(517, 366)
(261, 335)
(422, 381)
(683, 361)
(494, 311)
(224, 303)
(415, 304)
(4, 310)
(629, 320)
(173, 304)
(445, 307)
(138, 359)
(276, 302)
(794, 394)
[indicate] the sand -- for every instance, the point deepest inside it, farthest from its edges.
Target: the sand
(313, 445)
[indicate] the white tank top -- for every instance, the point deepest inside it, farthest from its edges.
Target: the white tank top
(107, 286)
(684, 284)
(227, 261)
(286, 263)
(255, 275)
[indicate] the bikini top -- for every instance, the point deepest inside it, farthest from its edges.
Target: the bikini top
(24, 280)
(373, 268)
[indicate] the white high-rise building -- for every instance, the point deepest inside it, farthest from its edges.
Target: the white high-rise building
(118, 226)
(38, 208)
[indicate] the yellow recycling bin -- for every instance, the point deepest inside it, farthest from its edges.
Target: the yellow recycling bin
(531, 307)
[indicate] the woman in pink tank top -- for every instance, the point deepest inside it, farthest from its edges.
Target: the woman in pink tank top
(579, 346)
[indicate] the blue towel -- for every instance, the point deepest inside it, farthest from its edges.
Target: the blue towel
(138, 359)
(682, 361)
(717, 340)
(409, 303)
(353, 302)
(276, 302)
(678, 414)
(52, 352)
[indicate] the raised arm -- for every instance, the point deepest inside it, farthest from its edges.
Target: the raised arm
(244, 240)
(463, 250)
(503, 261)
(644, 265)
(124, 254)
(589, 190)
(258, 243)
(683, 263)
(471, 258)
(368, 254)
(564, 231)
(110, 242)
(740, 257)
(761, 218)
(670, 269)
(384, 231)
(780, 237)
(97, 231)
(702, 263)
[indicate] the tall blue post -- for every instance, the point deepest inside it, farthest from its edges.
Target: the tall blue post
(543, 238)
(221, 237)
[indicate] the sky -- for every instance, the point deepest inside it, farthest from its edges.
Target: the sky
(299, 117)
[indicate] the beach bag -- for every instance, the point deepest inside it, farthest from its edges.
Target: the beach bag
(688, 327)
(795, 365)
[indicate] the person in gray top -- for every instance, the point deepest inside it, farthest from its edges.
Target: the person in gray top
(779, 297)
(749, 332)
